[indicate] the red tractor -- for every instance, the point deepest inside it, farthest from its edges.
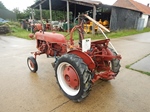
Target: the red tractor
(77, 67)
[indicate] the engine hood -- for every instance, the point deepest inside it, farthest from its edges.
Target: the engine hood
(50, 37)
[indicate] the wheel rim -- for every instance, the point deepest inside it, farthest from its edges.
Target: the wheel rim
(31, 64)
(68, 78)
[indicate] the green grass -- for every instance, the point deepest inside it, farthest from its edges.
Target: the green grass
(143, 72)
(21, 33)
(116, 34)
(16, 30)
(123, 33)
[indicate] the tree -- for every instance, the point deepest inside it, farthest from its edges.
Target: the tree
(17, 12)
(57, 15)
(27, 13)
(36, 1)
(2, 6)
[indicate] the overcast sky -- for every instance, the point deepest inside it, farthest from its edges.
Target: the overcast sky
(23, 4)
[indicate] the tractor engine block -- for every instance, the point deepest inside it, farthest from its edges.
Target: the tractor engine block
(51, 49)
(41, 45)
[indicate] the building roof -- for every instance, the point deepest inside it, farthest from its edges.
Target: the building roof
(133, 5)
(61, 4)
(75, 6)
(95, 2)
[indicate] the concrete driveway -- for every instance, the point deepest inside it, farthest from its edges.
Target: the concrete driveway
(23, 91)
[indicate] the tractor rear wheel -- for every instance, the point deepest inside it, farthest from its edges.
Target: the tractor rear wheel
(115, 63)
(73, 77)
(32, 64)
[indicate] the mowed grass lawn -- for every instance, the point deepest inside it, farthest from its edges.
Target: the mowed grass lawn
(21, 33)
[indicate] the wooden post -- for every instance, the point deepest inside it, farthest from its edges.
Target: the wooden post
(40, 12)
(94, 17)
(68, 16)
(32, 22)
(75, 12)
(32, 14)
(50, 14)
(50, 10)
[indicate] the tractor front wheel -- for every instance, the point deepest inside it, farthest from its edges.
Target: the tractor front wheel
(73, 77)
(32, 64)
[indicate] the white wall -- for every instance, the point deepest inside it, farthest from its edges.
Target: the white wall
(144, 16)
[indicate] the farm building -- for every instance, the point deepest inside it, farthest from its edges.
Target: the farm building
(124, 14)
(127, 13)
(74, 6)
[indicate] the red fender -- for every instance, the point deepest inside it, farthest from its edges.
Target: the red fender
(86, 58)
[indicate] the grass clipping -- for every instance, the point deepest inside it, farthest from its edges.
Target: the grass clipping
(143, 72)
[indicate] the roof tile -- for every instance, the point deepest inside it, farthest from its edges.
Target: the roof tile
(131, 4)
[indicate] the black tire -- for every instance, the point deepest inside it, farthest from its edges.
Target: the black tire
(32, 64)
(115, 63)
(84, 77)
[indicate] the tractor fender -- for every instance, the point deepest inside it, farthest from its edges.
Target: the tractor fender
(86, 58)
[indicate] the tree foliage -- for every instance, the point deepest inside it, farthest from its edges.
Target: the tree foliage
(57, 15)
(26, 14)
(5, 13)
(36, 1)
(2, 5)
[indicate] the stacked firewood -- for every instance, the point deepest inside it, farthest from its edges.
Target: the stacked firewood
(4, 29)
